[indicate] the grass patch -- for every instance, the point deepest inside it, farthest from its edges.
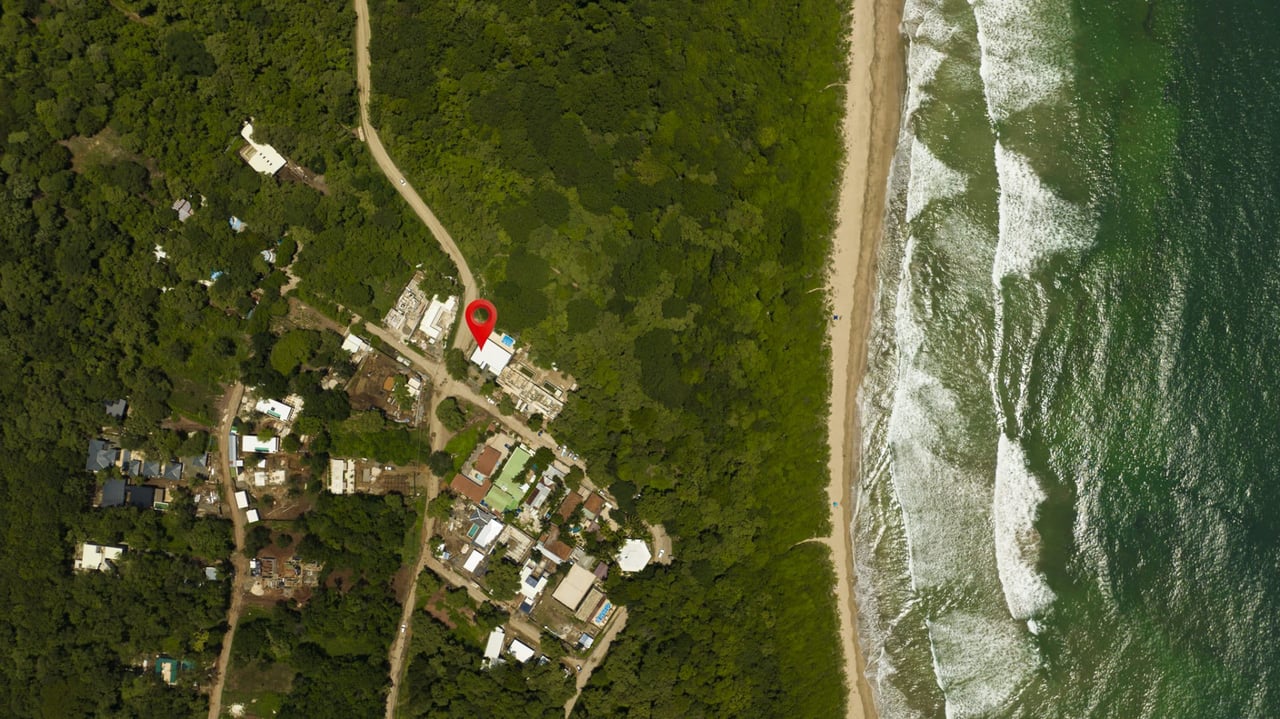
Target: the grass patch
(463, 444)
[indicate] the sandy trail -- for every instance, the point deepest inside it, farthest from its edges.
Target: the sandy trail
(873, 106)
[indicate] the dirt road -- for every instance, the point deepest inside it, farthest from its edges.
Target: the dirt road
(448, 386)
(400, 645)
(240, 578)
(397, 178)
(598, 652)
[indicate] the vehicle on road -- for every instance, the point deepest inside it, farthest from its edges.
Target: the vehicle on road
(402, 182)
(403, 627)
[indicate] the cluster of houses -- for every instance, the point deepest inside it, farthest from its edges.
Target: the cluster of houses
(136, 480)
(517, 649)
(145, 481)
(534, 390)
(426, 323)
(419, 320)
(498, 483)
(251, 455)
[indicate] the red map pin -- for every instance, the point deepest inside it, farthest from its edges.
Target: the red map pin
(481, 329)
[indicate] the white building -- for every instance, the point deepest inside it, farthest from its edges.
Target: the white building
(273, 408)
(342, 476)
(252, 516)
(438, 317)
(242, 500)
(496, 353)
(489, 533)
(529, 586)
(473, 561)
(493, 648)
(521, 651)
(355, 346)
(251, 443)
(634, 556)
(262, 158)
(94, 557)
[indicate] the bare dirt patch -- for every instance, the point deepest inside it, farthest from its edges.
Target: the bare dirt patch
(104, 148)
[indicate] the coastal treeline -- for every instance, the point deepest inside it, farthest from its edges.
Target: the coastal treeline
(646, 190)
(109, 113)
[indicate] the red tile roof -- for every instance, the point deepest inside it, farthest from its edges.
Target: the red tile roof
(487, 461)
(470, 490)
(594, 503)
(560, 549)
(570, 503)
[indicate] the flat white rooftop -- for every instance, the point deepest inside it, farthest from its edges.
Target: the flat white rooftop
(251, 443)
(438, 316)
(473, 561)
(490, 532)
(496, 353)
(521, 651)
(93, 557)
(493, 647)
(354, 345)
(262, 158)
(634, 556)
(274, 408)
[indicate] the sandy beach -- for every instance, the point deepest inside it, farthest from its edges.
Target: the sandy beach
(873, 105)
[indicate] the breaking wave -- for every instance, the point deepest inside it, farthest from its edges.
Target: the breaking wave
(1035, 223)
(1018, 496)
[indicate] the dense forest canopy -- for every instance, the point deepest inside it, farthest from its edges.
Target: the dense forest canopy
(109, 112)
(646, 190)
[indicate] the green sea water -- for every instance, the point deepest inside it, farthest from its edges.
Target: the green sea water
(1070, 501)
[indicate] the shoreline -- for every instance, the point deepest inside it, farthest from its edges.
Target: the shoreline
(873, 107)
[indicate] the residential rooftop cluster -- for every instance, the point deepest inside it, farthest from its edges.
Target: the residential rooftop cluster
(419, 320)
(532, 389)
(138, 480)
(255, 458)
(529, 516)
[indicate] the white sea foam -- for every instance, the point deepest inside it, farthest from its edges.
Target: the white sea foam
(1018, 497)
(1035, 223)
(929, 33)
(923, 62)
(931, 180)
(1026, 52)
(981, 658)
(981, 662)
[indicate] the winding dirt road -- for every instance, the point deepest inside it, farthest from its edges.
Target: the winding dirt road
(240, 578)
(397, 178)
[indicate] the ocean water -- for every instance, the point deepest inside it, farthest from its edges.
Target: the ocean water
(1069, 504)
